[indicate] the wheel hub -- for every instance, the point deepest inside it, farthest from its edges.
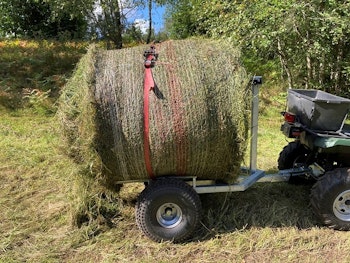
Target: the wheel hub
(341, 206)
(169, 215)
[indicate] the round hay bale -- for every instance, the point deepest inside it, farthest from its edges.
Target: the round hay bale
(198, 113)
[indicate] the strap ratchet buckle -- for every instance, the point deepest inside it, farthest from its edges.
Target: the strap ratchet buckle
(150, 57)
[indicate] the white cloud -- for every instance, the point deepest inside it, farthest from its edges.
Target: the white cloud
(142, 24)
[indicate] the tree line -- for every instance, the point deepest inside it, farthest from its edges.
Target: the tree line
(78, 19)
(307, 42)
(310, 39)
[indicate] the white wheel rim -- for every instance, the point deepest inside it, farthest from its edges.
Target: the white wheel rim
(341, 206)
(169, 215)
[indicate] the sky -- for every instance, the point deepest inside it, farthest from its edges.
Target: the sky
(140, 16)
(157, 17)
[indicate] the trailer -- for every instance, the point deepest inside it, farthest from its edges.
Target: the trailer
(169, 208)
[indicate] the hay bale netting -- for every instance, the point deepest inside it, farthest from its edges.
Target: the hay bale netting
(198, 118)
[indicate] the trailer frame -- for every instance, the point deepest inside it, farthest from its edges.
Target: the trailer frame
(249, 176)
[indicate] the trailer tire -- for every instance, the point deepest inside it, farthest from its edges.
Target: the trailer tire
(168, 210)
(330, 199)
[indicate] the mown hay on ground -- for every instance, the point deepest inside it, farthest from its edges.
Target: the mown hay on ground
(198, 118)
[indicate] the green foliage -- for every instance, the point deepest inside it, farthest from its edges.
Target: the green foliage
(35, 18)
(105, 22)
(80, 19)
(180, 22)
(309, 39)
(133, 35)
(40, 102)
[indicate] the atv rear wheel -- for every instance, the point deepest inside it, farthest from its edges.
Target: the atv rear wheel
(330, 199)
(293, 155)
(294, 152)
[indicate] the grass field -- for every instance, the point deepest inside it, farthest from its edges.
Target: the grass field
(267, 223)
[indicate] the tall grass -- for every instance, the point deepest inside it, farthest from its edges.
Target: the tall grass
(32, 72)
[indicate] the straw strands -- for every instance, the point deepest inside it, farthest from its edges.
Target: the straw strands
(198, 112)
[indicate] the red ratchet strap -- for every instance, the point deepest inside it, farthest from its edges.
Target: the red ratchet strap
(148, 85)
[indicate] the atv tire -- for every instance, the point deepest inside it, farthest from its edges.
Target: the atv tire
(330, 199)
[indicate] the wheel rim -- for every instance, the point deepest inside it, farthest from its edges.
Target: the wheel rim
(341, 206)
(169, 215)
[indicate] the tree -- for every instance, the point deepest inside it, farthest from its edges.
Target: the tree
(149, 21)
(32, 18)
(106, 18)
(133, 35)
(181, 22)
(108, 22)
(150, 4)
(309, 38)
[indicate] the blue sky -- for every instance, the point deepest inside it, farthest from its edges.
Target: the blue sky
(157, 16)
(142, 14)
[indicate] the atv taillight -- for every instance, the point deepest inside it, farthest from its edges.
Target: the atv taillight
(289, 117)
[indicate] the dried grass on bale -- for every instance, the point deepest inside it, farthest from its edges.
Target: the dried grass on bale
(76, 111)
(198, 126)
(76, 115)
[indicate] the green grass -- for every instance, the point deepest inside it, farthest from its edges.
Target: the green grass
(269, 222)
(35, 70)
(270, 139)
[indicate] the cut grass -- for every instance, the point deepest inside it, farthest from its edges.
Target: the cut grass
(34, 186)
(268, 222)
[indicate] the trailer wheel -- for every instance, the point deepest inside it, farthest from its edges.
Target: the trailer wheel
(168, 210)
(330, 199)
(293, 152)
